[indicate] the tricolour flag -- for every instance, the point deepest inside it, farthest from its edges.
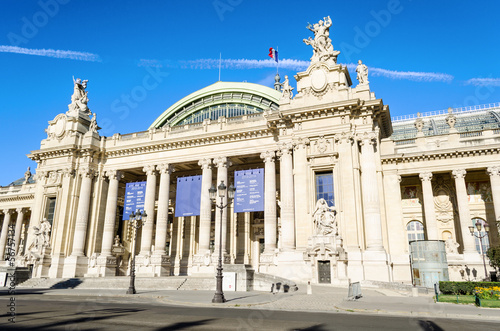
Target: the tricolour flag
(273, 54)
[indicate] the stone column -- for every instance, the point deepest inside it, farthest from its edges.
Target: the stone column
(370, 193)
(110, 216)
(222, 164)
(463, 211)
(269, 201)
(5, 230)
(165, 170)
(149, 208)
(287, 197)
(19, 225)
(205, 206)
(82, 216)
(429, 212)
(494, 173)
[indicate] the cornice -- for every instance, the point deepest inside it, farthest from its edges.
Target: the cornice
(439, 155)
(19, 197)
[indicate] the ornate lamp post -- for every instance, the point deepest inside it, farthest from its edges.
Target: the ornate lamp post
(136, 221)
(219, 295)
(480, 237)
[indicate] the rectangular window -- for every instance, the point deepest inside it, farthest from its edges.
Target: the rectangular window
(324, 187)
(49, 211)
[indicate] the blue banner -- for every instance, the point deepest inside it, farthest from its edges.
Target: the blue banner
(188, 196)
(135, 194)
(249, 190)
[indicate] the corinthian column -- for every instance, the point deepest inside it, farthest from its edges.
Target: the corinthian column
(371, 200)
(222, 164)
(287, 197)
(19, 225)
(110, 216)
(429, 212)
(82, 216)
(463, 211)
(149, 208)
(205, 205)
(494, 173)
(165, 170)
(5, 230)
(269, 201)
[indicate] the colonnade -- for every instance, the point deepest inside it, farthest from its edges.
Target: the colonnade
(11, 229)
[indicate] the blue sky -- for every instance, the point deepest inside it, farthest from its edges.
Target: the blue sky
(140, 57)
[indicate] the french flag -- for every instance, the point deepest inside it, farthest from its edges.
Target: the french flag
(273, 54)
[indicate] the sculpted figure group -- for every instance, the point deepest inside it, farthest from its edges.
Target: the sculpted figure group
(324, 218)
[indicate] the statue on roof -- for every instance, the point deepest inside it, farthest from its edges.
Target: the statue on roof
(362, 73)
(322, 44)
(93, 124)
(287, 89)
(27, 176)
(79, 99)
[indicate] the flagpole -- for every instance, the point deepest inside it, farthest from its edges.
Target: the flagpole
(277, 62)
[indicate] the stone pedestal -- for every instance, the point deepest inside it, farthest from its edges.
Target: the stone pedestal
(161, 265)
(75, 266)
(41, 265)
(375, 266)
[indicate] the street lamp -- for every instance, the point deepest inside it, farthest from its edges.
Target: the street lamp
(136, 220)
(219, 295)
(480, 237)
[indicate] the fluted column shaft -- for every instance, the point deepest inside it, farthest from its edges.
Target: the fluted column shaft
(494, 173)
(429, 212)
(287, 198)
(464, 211)
(205, 205)
(149, 208)
(162, 217)
(371, 199)
(5, 230)
(269, 201)
(222, 164)
(82, 216)
(19, 226)
(110, 216)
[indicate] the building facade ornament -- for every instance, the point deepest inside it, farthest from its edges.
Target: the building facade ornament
(458, 173)
(205, 163)
(79, 99)
(493, 171)
(165, 168)
(425, 176)
(268, 156)
(324, 218)
(149, 170)
(419, 123)
(322, 44)
(114, 174)
(451, 119)
(362, 73)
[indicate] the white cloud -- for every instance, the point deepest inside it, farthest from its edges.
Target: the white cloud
(483, 81)
(73, 55)
(411, 75)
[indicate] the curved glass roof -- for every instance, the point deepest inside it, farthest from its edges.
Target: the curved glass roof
(228, 99)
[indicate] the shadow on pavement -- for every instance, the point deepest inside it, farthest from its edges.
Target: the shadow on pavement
(429, 326)
(184, 325)
(70, 283)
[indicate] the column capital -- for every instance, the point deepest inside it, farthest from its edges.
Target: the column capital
(86, 172)
(300, 142)
(493, 171)
(425, 176)
(165, 168)
(366, 138)
(399, 178)
(40, 174)
(459, 173)
(205, 163)
(114, 174)
(149, 169)
(268, 156)
(7, 211)
(222, 162)
(67, 172)
(284, 149)
(20, 210)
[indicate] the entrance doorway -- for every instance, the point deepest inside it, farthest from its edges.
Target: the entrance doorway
(324, 272)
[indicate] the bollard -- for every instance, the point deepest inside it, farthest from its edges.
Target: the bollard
(414, 291)
(309, 288)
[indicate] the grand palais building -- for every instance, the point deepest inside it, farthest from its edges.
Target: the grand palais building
(329, 188)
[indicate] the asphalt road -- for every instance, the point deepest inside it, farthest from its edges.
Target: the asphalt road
(89, 313)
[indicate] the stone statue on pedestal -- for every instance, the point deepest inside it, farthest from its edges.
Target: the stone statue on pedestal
(287, 89)
(324, 219)
(362, 73)
(79, 99)
(93, 124)
(322, 44)
(27, 176)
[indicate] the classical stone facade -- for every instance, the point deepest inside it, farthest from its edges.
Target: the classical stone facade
(345, 188)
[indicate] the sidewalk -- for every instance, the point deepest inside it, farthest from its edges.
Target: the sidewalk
(323, 299)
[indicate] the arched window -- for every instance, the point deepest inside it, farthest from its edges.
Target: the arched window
(485, 240)
(415, 231)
